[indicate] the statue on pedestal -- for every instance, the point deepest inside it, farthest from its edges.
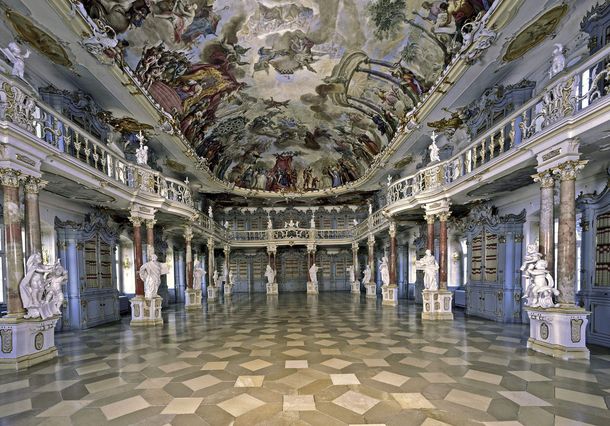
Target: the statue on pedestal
(434, 157)
(384, 270)
(352, 274)
(531, 257)
(270, 274)
(215, 278)
(539, 284)
(41, 288)
(14, 55)
(366, 276)
(151, 272)
(142, 151)
(313, 274)
(198, 273)
(429, 265)
(229, 280)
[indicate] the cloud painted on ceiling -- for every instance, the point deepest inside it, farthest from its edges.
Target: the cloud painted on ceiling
(286, 95)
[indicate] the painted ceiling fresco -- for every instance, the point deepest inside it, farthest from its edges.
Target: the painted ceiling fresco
(286, 95)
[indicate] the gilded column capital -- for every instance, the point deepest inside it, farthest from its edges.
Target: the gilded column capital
(444, 216)
(150, 223)
(546, 179)
(10, 177)
(136, 220)
(430, 219)
(188, 234)
(569, 169)
(34, 185)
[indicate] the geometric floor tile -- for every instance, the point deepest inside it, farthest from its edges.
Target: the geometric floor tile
(468, 399)
(249, 381)
(524, 399)
(240, 404)
(103, 385)
(299, 403)
(182, 406)
(483, 377)
(15, 407)
(296, 364)
(344, 379)
(124, 407)
(390, 378)
(295, 352)
(336, 363)
(156, 383)
(437, 377)
(530, 376)
(356, 402)
(412, 401)
(201, 382)
(215, 365)
(64, 409)
(255, 365)
(580, 398)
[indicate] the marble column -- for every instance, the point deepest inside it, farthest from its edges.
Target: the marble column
(371, 256)
(390, 292)
(9, 179)
(212, 290)
(355, 285)
(228, 286)
(150, 238)
(430, 219)
(566, 247)
(443, 249)
(546, 233)
(137, 246)
(188, 237)
(33, 239)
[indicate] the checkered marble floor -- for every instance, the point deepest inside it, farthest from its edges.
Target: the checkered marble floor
(332, 359)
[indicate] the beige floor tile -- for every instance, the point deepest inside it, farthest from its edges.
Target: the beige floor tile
(330, 351)
(249, 381)
(56, 386)
(433, 350)
(227, 353)
(356, 402)
(201, 382)
(468, 399)
(433, 422)
(336, 363)
(240, 404)
(297, 380)
(297, 363)
(415, 362)
(156, 383)
(530, 376)
(15, 407)
(390, 378)
(64, 408)
(93, 368)
(437, 377)
(19, 384)
(581, 398)
(524, 399)
(124, 407)
(182, 406)
(571, 374)
(344, 379)
(482, 376)
(255, 365)
(299, 403)
(215, 365)
(375, 362)
(455, 361)
(103, 385)
(412, 401)
(562, 421)
(295, 352)
(190, 354)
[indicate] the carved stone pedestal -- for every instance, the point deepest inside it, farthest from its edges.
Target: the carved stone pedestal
(312, 288)
(272, 288)
(192, 299)
(371, 290)
(228, 290)
(559, 332)
(389, 295)
(355, 287)
(26, 342)
(437, 305)
(212, 293)
(146, 312)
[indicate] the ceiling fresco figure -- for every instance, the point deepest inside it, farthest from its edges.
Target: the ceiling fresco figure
(290, 95)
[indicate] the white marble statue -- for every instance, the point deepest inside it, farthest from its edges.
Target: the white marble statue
(558, 62)
(210, 213)
(434, 149)
(230, 278)
(151, 272)
(313, 274)
(312, 222)
(384, 270)
(532, 256)
(355, 222)
(366, 276)
(215, 278)
(269, 224)
(370, 208)
(198, 273)
(270, 274)
(429, 265)
(142, 151)
(14, 55)
(40, 289)
(352, 274)
(539, 285)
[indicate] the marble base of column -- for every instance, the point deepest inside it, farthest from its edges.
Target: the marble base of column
(272, 289)
(212, 293)
(192, 299)
(371, 290)
(146, 312)
(437, 305)
(559, 332)
(356, 287)
(228, 290)
(26, 342)
(312, 288)
(389, 294)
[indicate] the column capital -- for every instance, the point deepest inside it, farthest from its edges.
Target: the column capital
(569, 169)
(444, 216)
(210, 243)
(34, 185)
(392, 229)
(546, 179)
(430, 219)
(227, 248)
(311, 247)
(10, 177)
(370, 240)
(271, 248)
(136, 220)
(188, 234)
(355, 246)
(150, 223)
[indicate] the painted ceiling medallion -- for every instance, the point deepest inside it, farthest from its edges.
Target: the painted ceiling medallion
(40, 40)
(535, 33)
(291, 95)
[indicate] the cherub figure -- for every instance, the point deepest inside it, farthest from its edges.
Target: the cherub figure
(14, 55)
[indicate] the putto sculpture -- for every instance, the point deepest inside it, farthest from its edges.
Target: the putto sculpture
(151, 272)
(14, 55)
(429, 265)
(434, 157)
(540, 287)
(41, 288)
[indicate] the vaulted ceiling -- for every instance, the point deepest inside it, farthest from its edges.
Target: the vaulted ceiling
(285, 95)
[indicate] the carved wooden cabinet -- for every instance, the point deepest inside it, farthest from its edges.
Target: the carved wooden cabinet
(493, 289)
(89, 252)
(594, 294)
